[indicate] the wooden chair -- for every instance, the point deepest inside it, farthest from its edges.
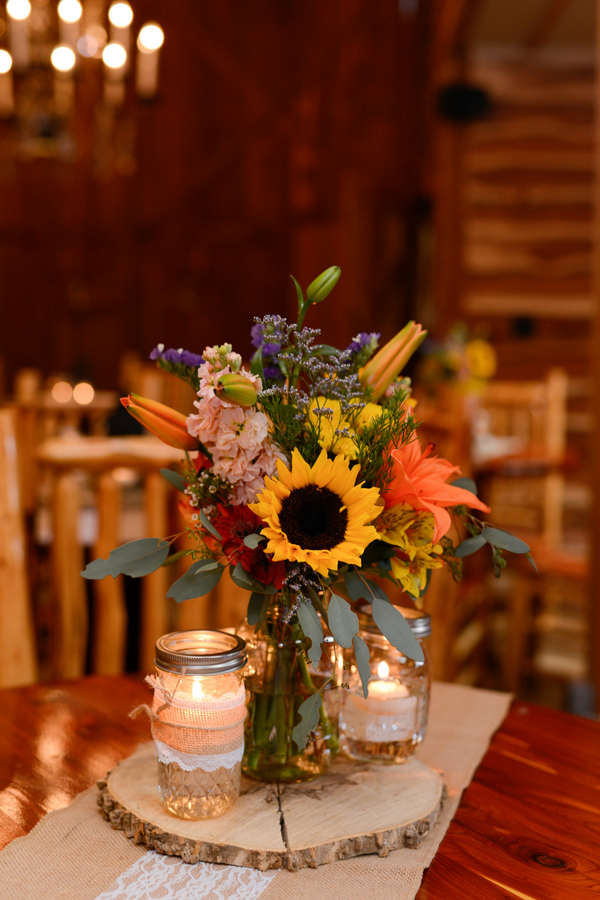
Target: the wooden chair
(102, 461)
(525, 485)
(18, 658)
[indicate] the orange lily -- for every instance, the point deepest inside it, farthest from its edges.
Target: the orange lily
(420, 481)
(166, 423)
(383, 369)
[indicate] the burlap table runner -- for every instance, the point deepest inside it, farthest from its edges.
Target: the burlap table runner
(73, 854)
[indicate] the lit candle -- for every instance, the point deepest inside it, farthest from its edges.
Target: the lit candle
(63, 61)
(19, 12)
(120, 16)
(198, 721)
(7, 100)
(69, 14)
(387, 714)
(149, 42)
(114, 57)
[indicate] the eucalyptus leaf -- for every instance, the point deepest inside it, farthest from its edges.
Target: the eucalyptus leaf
(470, 545)
(531, 560)
(209, 526)
(467, 484)
(255, 605)
(199, 580)
(355, 586)
(310, 713)
(135, 558)
(253, 540)
(362, 654)
(396, 629)
(311, 628)
(318, 605)
(343, 622)
(174, 478)
(504, 540)
(244, 580)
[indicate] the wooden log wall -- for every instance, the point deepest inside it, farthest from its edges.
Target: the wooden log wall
(525, 175)
(285, 138)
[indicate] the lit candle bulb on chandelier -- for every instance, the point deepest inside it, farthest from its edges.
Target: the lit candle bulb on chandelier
(69, 15)
(63, 61)
(7, 100)
(114, 57)
(149, 42)
(19, 13)
(120, 16)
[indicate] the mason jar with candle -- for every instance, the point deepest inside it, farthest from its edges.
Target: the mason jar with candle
(388, 724)
(198, 721)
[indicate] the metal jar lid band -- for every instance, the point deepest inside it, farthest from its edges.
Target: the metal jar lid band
(200, 652)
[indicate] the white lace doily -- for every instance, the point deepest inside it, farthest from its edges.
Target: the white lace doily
(156, 877)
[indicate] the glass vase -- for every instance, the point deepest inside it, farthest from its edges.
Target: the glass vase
(279, 678)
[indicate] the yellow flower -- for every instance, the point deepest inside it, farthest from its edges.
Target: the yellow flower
(317, 515)
(330, 424)
(411, 532)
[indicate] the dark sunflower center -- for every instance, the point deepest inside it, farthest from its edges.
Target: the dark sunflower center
(314, 518)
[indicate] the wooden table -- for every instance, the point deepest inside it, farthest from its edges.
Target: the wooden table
(528, 825)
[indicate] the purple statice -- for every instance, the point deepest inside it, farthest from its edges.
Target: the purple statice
(362, 347)
(268, 337)
(180, 362)
(177, 357)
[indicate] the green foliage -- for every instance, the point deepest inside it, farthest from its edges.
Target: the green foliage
(311, 628)
(391, 428)
(362, 654)
(343, 622)
(174, 478)
(137, 558)
(199, 580)
(244, 580)
(310, 714)
(396, 629)
(258, 606)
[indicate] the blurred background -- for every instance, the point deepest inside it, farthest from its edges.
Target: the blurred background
(441, 152)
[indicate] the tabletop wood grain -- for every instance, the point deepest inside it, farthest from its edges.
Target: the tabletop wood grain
(528, 825)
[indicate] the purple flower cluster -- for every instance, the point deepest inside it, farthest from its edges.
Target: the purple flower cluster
(364, 340)
(177, 357)
(268, 338)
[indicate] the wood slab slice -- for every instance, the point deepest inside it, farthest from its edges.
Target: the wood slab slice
(351, 811)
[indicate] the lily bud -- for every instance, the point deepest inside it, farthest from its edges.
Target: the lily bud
(166, 423)
(236, 389)
(323, 285)
(383, 369)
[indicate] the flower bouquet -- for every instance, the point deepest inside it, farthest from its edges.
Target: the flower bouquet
(304, 476)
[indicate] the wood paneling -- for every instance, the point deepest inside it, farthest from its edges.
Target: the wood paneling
(285, 138)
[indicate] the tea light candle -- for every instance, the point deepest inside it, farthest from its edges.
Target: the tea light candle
(387, 714)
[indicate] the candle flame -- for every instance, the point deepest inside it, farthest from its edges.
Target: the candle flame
(383, 670)
(197, 690)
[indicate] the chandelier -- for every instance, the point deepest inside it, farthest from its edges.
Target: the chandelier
(73, 70)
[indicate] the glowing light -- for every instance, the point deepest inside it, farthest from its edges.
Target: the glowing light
(83, 393)
(70, 10)
(120, 15)
(114, 56)
(18, 9)
(62, 58)
(383, 670)
(5, 62)
(150, 38)
(197, 691)
(62, 392)
(87, 46)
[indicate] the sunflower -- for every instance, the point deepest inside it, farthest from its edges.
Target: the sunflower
(317, 515)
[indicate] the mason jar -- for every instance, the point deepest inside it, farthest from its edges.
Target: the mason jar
(388, 724)
(198, 721)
